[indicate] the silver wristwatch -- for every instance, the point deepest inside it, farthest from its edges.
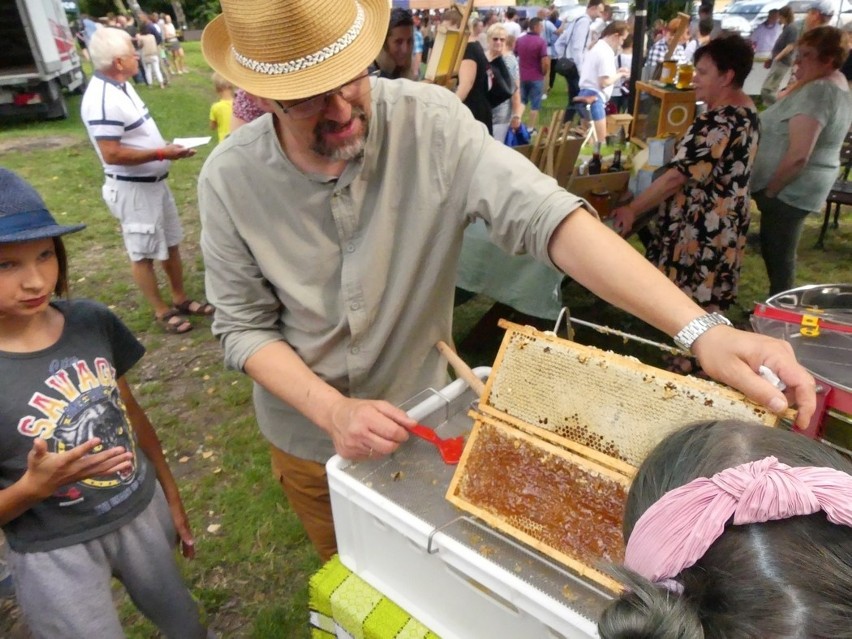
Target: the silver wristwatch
(697, 327)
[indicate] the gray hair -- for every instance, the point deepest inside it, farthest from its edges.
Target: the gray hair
(106, 45)
(788, 578)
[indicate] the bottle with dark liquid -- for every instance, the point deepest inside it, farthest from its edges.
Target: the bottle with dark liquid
(596, 165)
(616, 162)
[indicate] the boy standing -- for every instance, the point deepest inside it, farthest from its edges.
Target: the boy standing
(220, 111)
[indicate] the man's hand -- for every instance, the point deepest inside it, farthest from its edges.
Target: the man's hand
(363, 428)
(177, 152)
(47, 472)
(734, 357)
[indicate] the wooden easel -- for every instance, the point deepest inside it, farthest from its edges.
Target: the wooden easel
(447, 52)
(681, 29)
(683, 25)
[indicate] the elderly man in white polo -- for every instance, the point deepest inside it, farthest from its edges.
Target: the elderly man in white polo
(332, 227)
(136, 162)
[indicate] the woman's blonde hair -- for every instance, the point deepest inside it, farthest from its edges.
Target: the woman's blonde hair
(495, 29)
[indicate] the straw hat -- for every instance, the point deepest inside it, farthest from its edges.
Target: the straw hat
(23, 214)
(293, 49)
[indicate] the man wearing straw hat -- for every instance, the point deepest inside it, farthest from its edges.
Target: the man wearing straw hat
(331, 240)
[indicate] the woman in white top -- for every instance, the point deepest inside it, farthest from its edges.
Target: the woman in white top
(599, 73)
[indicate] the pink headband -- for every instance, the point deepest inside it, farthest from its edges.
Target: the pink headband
(677, 530)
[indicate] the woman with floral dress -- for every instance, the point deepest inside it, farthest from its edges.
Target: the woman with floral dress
(700, 233)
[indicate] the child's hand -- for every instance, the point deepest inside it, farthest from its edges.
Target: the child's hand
(184, 533)
(47, 472)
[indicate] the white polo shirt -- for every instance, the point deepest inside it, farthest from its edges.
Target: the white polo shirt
(113, 111)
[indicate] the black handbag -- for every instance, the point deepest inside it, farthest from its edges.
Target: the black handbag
(565, 67)
(502, 85)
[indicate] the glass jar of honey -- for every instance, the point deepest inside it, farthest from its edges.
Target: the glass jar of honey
(600, 199)
(669, 69)
(684, 76)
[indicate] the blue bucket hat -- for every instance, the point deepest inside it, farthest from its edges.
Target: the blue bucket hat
(23, 215)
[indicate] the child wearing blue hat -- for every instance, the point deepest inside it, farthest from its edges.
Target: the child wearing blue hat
(85, 491)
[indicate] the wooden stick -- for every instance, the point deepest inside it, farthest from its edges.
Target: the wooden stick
(461, 369)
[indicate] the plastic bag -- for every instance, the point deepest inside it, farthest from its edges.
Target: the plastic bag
(517, 137)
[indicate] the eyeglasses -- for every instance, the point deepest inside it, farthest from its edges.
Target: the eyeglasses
(498, 39)
(309, 107)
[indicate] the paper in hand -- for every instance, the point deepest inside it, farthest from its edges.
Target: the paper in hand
(191, 143)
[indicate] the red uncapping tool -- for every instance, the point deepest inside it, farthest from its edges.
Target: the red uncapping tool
(450, 449)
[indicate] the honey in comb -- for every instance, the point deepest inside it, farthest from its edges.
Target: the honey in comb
(551, 497)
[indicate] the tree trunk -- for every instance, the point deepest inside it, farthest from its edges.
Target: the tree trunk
(180, 17)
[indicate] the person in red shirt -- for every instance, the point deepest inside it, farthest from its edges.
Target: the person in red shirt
(531, 50)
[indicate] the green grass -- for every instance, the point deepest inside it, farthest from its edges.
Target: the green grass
(251, 575)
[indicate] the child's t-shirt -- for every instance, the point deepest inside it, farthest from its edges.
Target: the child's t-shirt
(68, 394)
(220, 113)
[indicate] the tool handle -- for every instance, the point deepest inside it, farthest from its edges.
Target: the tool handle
(461, 369)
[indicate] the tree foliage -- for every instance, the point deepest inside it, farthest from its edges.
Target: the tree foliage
(198, 12)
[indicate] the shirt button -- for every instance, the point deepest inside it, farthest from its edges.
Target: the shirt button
(355, 350)
(354, 306)
(350, 248)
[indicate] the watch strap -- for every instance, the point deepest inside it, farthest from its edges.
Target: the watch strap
(697, 327)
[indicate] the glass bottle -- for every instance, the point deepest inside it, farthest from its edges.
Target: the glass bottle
(596, 164)
(616, 162)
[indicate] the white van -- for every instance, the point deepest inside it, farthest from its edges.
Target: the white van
(38, 59)
(743, 17)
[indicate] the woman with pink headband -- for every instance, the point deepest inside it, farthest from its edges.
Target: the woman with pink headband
(736, 530)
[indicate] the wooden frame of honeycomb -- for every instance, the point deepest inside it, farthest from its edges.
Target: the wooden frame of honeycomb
(536, 449)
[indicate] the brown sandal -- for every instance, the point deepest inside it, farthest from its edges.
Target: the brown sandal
(174, 323)
(193, 307)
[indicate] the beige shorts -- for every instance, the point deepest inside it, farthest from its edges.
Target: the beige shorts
(148, 215)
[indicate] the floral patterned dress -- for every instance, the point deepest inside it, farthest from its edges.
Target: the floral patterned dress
(700, 234)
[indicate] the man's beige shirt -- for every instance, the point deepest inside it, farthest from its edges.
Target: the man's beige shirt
(357, 274)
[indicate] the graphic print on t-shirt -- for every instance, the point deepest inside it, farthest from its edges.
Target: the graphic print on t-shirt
(81, 402)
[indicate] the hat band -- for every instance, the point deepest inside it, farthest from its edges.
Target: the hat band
(305, 62)
(25, 221)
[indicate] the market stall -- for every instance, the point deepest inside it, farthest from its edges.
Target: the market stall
(431, 538)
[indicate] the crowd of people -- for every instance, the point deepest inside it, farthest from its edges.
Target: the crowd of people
(155, 38)
(333, 214)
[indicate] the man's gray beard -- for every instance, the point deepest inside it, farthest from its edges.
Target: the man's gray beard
(350, 151)
(344, 153)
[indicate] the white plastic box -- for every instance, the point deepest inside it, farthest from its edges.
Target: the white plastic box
(454, 590)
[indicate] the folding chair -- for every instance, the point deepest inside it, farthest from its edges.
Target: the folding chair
(841, 192)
